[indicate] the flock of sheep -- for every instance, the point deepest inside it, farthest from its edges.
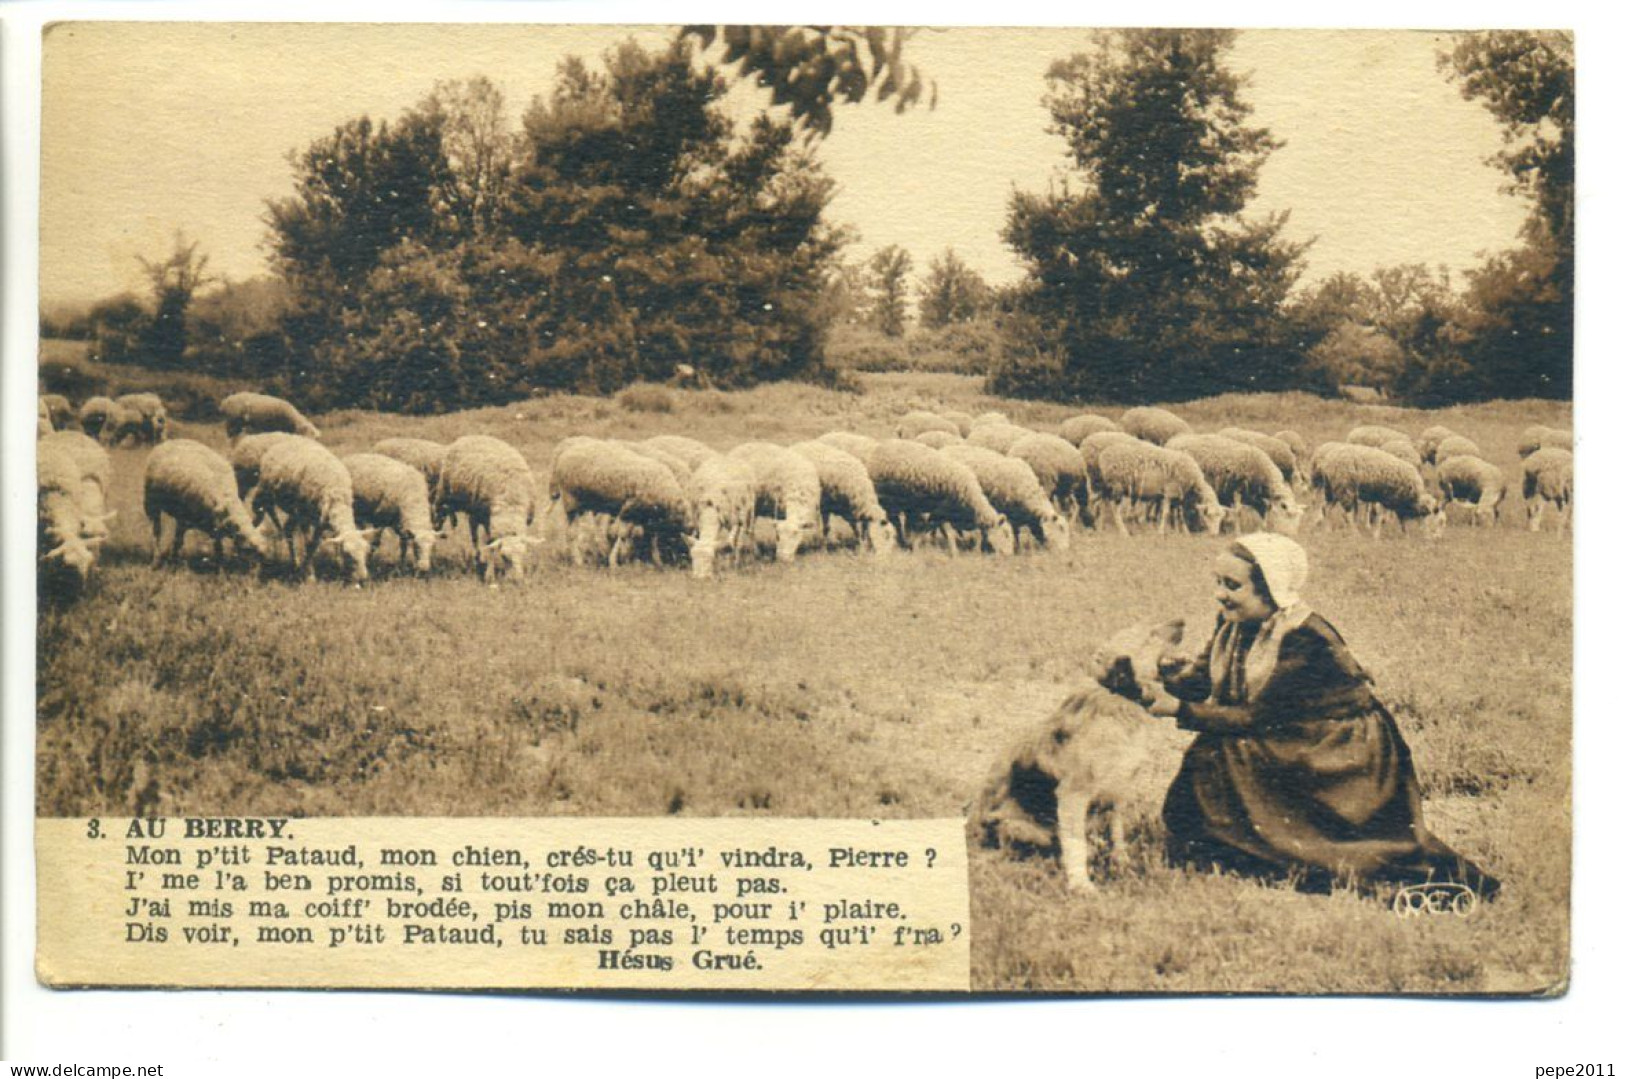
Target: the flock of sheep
(946, 476)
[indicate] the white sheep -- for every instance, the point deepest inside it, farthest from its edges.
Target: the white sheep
(1060, 469)
(918, 422)
(1548, 480)
(1090, 449)
(1077, 428)
(962, 420)
(847, 492)
(95, 414)
(1404, 449)
(642, 496)
(1013, 488)
(310, 489)
(1366, 480)
(196, 488)
(245, 458)
(938, 439)
(1374, 435)
(1539, 437)
(95, 474)
(998, 437)
(1243, 475)
(1475, 481)
(425, 455)
(859, 446)
(45, 426)
(1299, 446)
(490, 481)
(680, 469)
(984, 419)
(919, 485)
(391, 494)
(690, 451)
(1455, 446)
(787, 489)
(140, 416)
(1279, 450)
(1143, 478)
(1156, 425)
(257, 413)
(59, 409)
(1427, 443)
(722, 493)
(72, 473)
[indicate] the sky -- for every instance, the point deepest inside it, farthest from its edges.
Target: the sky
(150, 128)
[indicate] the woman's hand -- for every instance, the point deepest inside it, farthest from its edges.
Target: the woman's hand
(1163, 703)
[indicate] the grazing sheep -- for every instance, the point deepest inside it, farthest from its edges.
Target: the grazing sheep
(60, 411)
(95, 415)
(1089, 449)
(1476, 482)
(1060, 469)
(257, 413)
(849, 493)
(918, 485)
(196, 487)
(859, 446)
(962, 420)
(679, 467)
(1155, 425)
(490, 481)
(938, 439)
(1142, 476)
(1099, 761)
(1298, 444)
(988, 418)
(642, 496)
(1077, 428)
(787, 489)
(1280, 452)
(1364, 479)
(1404, 450)
(1374, 435)
(1013, 488)
(1548, 479)
(690, 451)
(1455, 446)
(392, 494)
(1243, 475)
(301, 479)
(998, 437)
(722, 492)
(917, 423)
(72, 472)
(45, 427)
(1427, 443)
(140, 416)
(246, 455)
(1540, 437)
(427, 456)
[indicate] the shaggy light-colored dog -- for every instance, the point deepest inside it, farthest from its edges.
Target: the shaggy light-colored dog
(1098, 767)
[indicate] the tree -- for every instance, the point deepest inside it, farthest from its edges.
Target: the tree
(810, 68)
(1146, 276)
(888, 289)
(952, 292)
(174, 280)
(480, 152)
(1524, 301)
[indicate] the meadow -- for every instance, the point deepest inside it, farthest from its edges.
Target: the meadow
(838, 686)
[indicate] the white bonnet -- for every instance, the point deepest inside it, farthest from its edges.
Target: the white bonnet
(1283, 563)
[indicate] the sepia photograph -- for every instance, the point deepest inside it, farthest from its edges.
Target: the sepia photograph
(1129, 471)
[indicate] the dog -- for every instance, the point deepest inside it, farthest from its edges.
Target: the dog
(1100, 758)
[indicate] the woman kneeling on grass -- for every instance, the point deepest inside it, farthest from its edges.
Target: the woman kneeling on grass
(1298, 768)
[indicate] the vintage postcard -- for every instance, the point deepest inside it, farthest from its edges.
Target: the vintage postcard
(805, 509)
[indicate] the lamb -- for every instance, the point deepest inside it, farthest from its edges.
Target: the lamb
(1090, 449)
(1013, 488)
(1374, 435)
(245, 459)
(1156, 425)
(1455, 446)
(938, 439)
(59, 410)
(1427, 443)
(392, 494)
(1077, 428)
(998, 437)
(256, 413)
(1142, 475)
(1060, 469)
(196, 487)
(1298, 444)
(428, 457)
(95, 415)
(919, 485)
(962, 420)
(1540, 437)
(917, 423)
(722, 493)
(1473, 480)
(72, 471)
(1404, 450)
(1365, 479)
(849, 493)
(311, 488)
(640, 494)
(1548, 479)
(490, 481)
(140, 416)
(859, 446)
(1280, 452)
(690, 451)
(1243, 475)
(787, 488)
(1099, 760)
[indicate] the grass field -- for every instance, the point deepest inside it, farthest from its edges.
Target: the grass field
(838, 687)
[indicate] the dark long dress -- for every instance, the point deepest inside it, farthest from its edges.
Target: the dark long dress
(1311, 775)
